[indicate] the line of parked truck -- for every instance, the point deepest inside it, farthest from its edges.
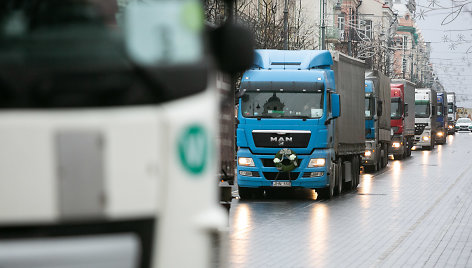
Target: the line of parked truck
(312, 119)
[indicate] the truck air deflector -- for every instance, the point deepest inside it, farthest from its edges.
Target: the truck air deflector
(278, 59)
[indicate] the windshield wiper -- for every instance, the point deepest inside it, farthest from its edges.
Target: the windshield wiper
(304, 117)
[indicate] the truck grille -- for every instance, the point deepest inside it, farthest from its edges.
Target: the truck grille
(280, 139)
(419, 128)
(269, 162)
(281, 175)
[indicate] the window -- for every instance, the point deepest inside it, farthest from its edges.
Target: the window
(341, 22)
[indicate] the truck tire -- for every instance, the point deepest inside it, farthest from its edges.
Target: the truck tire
(358, 171)
(328, 192)
(340, 177)
(350, 184)
(384, 158)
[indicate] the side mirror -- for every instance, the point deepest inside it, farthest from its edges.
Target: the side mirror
(233, 47)
(379, 108)
(405, 108)
(335, 105)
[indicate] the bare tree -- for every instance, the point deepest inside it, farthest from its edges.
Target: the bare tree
(265, 19)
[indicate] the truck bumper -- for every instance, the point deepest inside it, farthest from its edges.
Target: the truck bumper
(369, 158)
(423, 140)
(440, 135)
(397, 146)
(264, 173)
(451, 130)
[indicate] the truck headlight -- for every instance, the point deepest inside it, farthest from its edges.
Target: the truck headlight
(426, 138)
(246, 161)
(396, 144)
(317, 162)
(440, 134)
(368, 153)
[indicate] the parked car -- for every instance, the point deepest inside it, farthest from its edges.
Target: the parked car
(464, 124)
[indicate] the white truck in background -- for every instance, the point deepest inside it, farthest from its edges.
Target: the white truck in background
(451, 113)
(425, 118)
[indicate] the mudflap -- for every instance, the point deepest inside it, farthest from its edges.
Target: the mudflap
(225, 194)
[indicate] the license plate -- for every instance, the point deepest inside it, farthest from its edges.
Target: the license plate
(281, 183)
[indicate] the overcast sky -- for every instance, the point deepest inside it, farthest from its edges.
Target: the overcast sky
(449, 29)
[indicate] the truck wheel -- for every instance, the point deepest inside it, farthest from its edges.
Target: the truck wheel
(430, 148)
(328, 192)
(350, 184)
(384, 158)
(340, 177)
(357, 167)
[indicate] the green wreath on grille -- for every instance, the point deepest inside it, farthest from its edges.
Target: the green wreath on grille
(281, 156)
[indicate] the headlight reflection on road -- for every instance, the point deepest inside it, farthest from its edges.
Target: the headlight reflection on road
(240, 236)
(425, 161)
(450, 139)
(425, 157)
(319, 232)
(397, 168)
(366, 183)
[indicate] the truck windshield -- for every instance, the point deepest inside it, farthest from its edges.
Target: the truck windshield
(369, 106)
(396, 109)
(450, 107)
(422, 109)
(282, 104)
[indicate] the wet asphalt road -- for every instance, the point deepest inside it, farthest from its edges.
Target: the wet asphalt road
(414, 213)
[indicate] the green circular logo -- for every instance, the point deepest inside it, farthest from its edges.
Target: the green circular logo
(193, 149)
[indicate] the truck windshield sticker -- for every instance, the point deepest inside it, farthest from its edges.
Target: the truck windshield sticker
(316, 112)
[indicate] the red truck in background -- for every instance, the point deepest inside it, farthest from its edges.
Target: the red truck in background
(402, 117)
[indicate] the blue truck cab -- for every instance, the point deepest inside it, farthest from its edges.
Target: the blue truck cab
(441, 119)
(287, 103)
(369, 110)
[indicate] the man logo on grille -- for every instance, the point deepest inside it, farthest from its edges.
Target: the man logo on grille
(281, 140)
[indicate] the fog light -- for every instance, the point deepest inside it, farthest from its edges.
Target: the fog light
(246, 161)
(368, 153)
(396, 144)
(249, 173)
(413, 148)
(313, 174)
(426, 138)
